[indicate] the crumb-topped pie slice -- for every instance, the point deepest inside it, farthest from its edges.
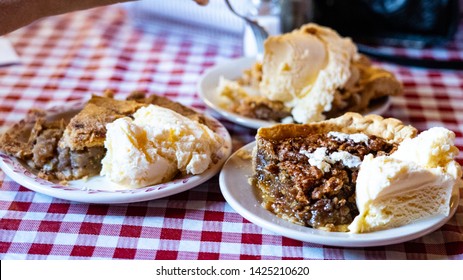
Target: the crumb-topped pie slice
(306, 173)
(72, 147)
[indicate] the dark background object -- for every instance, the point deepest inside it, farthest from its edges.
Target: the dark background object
(295, 13)
(416, 24)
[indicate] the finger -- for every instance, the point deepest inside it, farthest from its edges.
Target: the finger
(202, 2)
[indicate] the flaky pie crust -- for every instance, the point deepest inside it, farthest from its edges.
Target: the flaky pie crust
(390, 129)
(88, 127)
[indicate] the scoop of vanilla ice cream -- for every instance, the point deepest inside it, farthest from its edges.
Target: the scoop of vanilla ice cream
(292, 62)
(415, 182)
(189, 144)
(157, 136)
(130, 159)
(432, 148)
(304, 68)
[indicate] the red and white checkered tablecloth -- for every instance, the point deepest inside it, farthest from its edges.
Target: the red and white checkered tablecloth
(68, 57)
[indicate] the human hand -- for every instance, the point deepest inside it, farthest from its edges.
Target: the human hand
(202, 2)
(17, 13)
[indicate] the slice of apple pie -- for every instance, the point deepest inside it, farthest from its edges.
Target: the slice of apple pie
(307, 173)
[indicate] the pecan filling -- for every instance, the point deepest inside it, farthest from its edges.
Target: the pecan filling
(311, 180)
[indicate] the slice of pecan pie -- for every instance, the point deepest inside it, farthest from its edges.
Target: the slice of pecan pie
(306, 173)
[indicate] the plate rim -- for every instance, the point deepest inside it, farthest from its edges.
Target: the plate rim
(19, 172)
(239, 64)
(353, 240)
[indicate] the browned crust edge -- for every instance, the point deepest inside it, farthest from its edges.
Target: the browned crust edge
(390, 129)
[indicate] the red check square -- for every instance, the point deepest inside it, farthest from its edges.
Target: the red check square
(82, 251)
(90, 228)
(130, 231)
(40, 249)
(9, 224)
(49, 226)
(124, 253)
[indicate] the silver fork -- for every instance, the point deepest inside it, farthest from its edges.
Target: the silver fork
(259, 32)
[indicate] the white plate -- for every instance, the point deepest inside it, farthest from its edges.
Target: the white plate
(232, 70)
(243, 198)
(99, 189)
